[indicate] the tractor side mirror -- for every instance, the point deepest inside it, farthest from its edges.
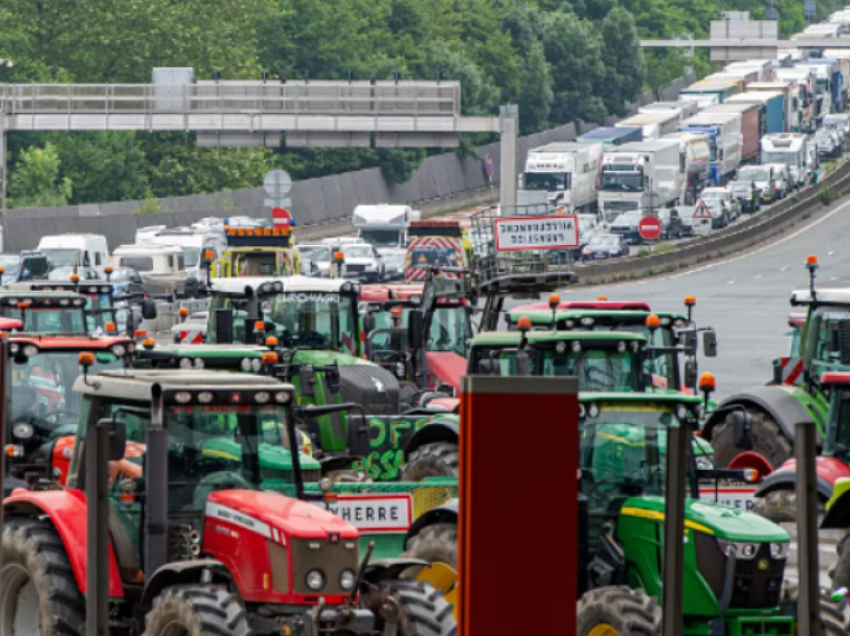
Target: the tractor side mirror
(148, 309)
(742, 426)
(709, 343)
(844, 341)
(307, 375)
(117, 432)
(416, 330)
(690, 372)
(332, 378)
(488, 366)
(688, 339)
(523, 363)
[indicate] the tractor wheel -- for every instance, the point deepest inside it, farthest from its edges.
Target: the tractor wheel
(768, 440)
(432, 460)
(435, 544)
(617, 611)
(424, 609)
(38, 591)
(780, 506)
(348, 477)
(196, 610)
(833, 621)
(840, 572)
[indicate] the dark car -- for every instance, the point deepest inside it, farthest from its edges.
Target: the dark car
(127, 282)
(626, 225)
(605, 246)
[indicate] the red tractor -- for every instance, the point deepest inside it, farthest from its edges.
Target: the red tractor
(196, 545)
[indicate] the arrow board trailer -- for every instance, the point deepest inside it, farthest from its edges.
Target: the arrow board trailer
(723, 131)
(751, 125)
(640, 176)
(683, 109)
(562, 175)
(654, 125)
(384, 225)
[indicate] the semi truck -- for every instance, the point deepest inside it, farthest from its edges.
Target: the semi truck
(772, 105)
(654, 125)
(764, 68)
(382, 225)
(640, 176)
(562, 175)
(694, 160)
(795, 150)
(752, 125)
(805, 80)
(723, 131)
(829, 84)
(612, 136)
(842, 56)
(792, 100)
(719, 89)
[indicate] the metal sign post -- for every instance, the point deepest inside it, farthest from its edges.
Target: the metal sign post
(97, 531)
(5, 400)
(509, 127)
(808, 601)
(673, 623)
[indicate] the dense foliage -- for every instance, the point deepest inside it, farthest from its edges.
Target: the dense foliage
(560, 60)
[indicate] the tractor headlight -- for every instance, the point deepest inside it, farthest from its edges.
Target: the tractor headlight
(256, 364)
(634, 345)
(347, 579)
(119, 351)
(682, 412)
(561, 347)
(745, 551)
(23, 431)
(185, 363)
(199, 363)
(576, 346)
(245, 365)
(286, 356)
(30, 351)
(315, 580)
(621, 347)
(779, 550)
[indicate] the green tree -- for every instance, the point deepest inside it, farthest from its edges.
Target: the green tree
(623, 60)
(535, 102)
(36, 182)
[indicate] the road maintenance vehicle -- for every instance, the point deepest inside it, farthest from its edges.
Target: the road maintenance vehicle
(257, 252)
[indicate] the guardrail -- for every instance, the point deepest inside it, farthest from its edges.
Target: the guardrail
(748, 233)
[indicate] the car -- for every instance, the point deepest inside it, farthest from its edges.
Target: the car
(316, 259)
(782, 179)
(394, 264)
(362, 262)
(753, 186)
(626, 225)
(724, 207)
(127, 282)
(603, 246)
(671, 224)
(827, 143)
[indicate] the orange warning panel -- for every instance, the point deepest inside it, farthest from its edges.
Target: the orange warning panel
(518, 504)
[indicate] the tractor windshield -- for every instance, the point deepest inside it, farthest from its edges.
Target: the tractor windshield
(318, 320)
(43, 320)
(837, 442)
(449, 330)
(824, 339)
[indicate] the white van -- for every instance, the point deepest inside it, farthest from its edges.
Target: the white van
(88, 252)
(193, 242)
(150, 260)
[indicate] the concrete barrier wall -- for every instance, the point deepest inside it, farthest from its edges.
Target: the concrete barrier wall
(321, 206)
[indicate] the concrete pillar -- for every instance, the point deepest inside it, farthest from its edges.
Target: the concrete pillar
(509, 129)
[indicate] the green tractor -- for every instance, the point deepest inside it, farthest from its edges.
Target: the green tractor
(790, 398)
(734, 561)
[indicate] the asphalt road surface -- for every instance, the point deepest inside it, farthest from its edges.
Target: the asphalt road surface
(746, 298)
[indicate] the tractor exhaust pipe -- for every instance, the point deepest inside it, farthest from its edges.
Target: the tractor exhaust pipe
(156, 486)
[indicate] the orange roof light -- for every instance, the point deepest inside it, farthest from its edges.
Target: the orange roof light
(86, 358)
(4, 335)
(707, 382)
(339, 256)
(1, 269)
(269, 357)
(140, 333)
(110, 326)
(602, 298)
(524, 323)
(209, 255)
(108, 269)
(75, 278)
(183, 311)
(396, 312)
(811, 259)
(652, 321)
(690, 301)
(259, 326)
(272, 341)
(23, 305)
(148, 343)
(554, 300)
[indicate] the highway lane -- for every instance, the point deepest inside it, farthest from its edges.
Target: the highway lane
(746, 298)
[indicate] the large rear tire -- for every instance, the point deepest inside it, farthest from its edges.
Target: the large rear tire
(832, 619)
(432, 460)
(436, 543)
(768, 440)
(617, 611)
(38, 589)
(424, 609)
(197, 610)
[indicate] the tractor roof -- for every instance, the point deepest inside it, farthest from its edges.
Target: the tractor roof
(611, 305)
(512, 338)
(34, 296)
(835, 377)
(835, 296)
(204, 351)
(541, 316)
(666, 397)
(137, 384)
(796, 318)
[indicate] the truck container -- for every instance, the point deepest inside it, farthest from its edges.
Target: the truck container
(745, 75)
(752, 125)
(791, 101)
(684, 109)
(806, 81)
(772, 103)
(823, 30)
(829, 83)
(694, 161)
(842, 56)
(562, 174)
(792, 149)
(654, 125)
(612, 136)
(639, 176)
(719, 88)
(723, 131)
(764, 68)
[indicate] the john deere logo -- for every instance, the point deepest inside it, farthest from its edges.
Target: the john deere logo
(763, 564)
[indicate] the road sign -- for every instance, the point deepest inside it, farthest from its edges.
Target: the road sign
(650, 228)
(281, 217)
(702, 211)
(527, 233)
(277, 184)
(488, 162)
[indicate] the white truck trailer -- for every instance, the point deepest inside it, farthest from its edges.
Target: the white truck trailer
(561, 174)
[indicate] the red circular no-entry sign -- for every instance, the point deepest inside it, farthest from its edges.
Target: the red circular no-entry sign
(649, 228)
(281, 217)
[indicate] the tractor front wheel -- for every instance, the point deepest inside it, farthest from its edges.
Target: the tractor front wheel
(768, 440)
(38, 591)
(832, 619)
(196, 610)
(424, 610)
(780, 506)
(617, 611)
(432, 460)
(436, 543)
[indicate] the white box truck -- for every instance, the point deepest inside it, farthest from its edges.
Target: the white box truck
(89, 253)
(562, 174)
(640, 176)
(382, 225)
(694, 163)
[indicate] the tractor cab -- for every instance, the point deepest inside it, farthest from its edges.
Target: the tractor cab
(44, 407)
(261, 252)
(45, 312)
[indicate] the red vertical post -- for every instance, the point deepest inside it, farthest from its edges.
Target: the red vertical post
(518, 528)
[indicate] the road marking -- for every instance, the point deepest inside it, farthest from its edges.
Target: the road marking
(830, 253)
(757, 276)
(782, 269)
(731, 282)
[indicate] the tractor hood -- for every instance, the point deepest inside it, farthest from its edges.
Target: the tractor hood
(268, 513)
(321, 357)
(723, 522)
(447, 367)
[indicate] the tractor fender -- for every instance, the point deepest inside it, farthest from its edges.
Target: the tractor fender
(787, 480)
(773, 400)
(182, 573)
(432, 432)
(11, 484)
(66, 510)
(389, 569)
(838, 509)
(447, 512)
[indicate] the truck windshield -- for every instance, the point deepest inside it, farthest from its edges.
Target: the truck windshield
(317, 320)
(622, 178)
(10, 264)
(64, 320)
(64, 257)
(138, 263)
(547, 181)
(823, 340)
(774, 156)
(381, 238)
